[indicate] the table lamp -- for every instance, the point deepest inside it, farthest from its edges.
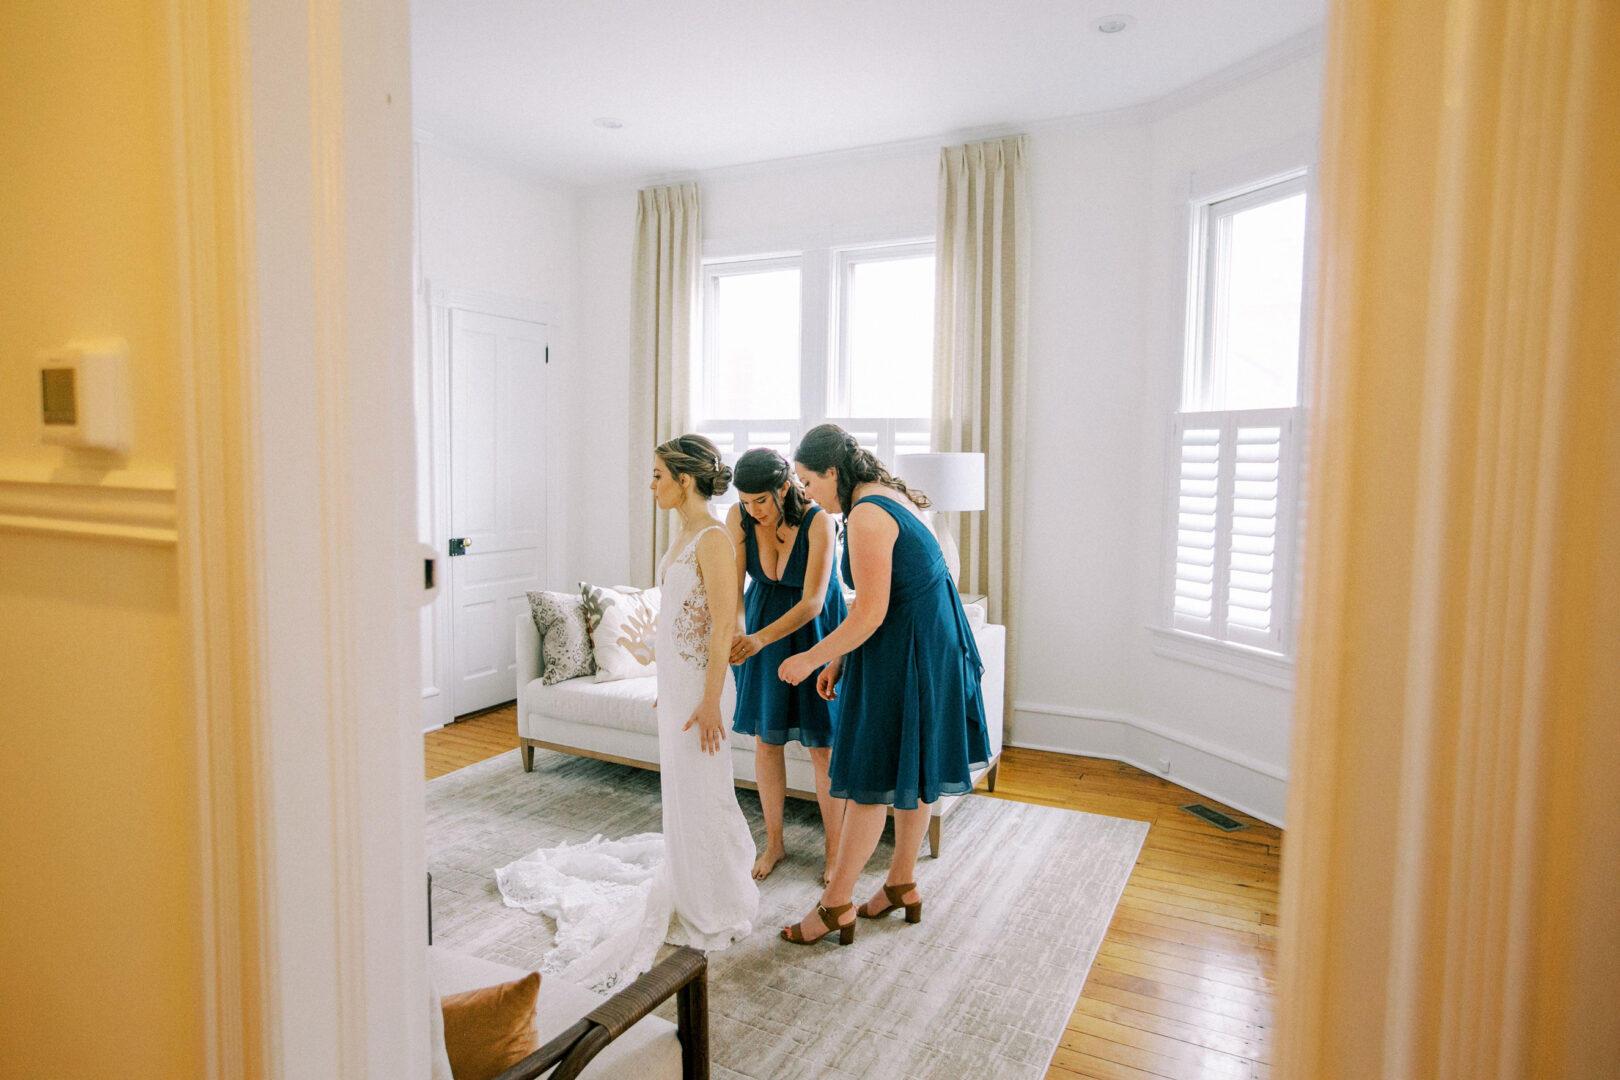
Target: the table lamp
(953, 483)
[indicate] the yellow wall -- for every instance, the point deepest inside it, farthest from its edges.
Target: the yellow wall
(100, 971)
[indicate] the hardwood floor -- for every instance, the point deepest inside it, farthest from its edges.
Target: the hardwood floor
(1183, 986)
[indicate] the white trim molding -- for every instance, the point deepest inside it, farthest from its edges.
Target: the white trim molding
(1268, 669)
(217, 511)
(443, 296)
(141, 511)
(1233, 778)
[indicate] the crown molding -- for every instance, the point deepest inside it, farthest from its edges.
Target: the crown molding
(1266, 62)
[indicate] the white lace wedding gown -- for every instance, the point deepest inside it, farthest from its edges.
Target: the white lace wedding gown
(616, 901)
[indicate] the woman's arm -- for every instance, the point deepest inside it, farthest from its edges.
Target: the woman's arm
(734, 529)
(871, 538)
(817, 571)
(716, 565)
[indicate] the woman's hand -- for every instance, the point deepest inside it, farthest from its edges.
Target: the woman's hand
(743, 646)
(795, 669)
(827, 681)
(710, 730)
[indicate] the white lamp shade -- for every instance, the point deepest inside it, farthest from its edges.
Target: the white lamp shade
(952, 482)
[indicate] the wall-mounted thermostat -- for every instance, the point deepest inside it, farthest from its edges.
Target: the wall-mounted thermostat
(85, 395)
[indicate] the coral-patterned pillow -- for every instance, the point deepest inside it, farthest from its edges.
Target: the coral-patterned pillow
(624, 627)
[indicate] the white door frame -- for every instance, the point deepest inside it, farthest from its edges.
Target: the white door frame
(298, 558)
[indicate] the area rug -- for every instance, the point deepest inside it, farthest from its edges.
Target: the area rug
(1014, 910)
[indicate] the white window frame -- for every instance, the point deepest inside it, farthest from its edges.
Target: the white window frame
(824, 376)
(846, 260)
(1267, 658)
(713, 271)
(1209, 216)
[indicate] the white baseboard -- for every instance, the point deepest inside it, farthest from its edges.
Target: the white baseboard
(1255, 787)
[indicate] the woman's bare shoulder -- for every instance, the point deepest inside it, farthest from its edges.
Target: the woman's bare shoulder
(713, 541)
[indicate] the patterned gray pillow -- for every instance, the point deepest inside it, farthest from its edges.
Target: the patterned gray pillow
(565, 637)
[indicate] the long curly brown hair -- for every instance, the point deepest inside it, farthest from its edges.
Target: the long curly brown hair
(828, 446)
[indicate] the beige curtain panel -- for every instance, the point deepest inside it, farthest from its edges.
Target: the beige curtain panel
(981, 302)
(1452, 869)
(665, 274)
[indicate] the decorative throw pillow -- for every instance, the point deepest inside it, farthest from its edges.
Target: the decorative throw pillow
(565, 636)
(624, 625)
(487, 1031)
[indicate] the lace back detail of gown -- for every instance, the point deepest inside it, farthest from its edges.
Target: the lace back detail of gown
(693, 623)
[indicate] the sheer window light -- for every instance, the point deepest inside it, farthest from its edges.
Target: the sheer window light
(829, 334)
(750, 361)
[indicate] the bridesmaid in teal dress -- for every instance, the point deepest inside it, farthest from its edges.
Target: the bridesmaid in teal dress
(784, 548)
(906, 671)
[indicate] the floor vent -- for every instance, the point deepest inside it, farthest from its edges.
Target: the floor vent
(1214, 817)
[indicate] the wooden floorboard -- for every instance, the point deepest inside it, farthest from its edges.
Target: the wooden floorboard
(1184, 984)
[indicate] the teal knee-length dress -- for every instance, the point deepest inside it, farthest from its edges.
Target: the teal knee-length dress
(768, 708)
(911, 721)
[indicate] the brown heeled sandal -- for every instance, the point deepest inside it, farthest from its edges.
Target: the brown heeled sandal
(829, 919)
(895, 893)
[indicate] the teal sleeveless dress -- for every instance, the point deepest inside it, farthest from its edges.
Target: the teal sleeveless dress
(911, 721)
(768, 708)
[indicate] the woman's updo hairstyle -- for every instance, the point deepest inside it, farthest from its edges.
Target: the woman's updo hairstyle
(828, 446)
(697, 457)
(763, 470)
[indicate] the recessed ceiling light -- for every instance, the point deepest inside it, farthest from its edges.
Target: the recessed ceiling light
(609, 122)
(1112, 24)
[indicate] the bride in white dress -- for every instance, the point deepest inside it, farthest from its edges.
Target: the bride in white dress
(615, 901)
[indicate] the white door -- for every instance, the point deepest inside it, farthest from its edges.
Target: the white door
(496, 497)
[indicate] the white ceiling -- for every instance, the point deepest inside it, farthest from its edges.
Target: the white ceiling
(700, 85)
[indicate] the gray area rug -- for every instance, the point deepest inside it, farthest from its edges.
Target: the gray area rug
(1013, 912)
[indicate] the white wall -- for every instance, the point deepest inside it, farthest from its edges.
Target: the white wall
(1108, 196)
(1106, 370)
(485, 229)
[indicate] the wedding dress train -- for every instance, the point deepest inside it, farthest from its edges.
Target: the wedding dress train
(616, 901)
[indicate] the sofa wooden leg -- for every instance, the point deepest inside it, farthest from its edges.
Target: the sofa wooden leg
(692, 1018)
(933, 836)
(528, 756)
(995, 767)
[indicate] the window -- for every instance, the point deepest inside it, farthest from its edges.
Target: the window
(791, 341)
(1235, 439)
(751, 352)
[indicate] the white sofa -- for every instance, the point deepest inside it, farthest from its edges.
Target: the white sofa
(614, 721)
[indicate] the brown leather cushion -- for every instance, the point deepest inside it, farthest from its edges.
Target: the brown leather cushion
(489, 1030)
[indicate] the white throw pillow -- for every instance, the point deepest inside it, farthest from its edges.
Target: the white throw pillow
(975, 615)
(624, 626)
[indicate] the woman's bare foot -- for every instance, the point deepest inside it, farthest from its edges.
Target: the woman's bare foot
(767, 862)
(880, 903)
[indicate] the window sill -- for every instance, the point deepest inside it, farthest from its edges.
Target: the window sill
(1265, 668)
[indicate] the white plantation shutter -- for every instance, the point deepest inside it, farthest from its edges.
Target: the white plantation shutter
(1233, 522)
(1196, 528)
